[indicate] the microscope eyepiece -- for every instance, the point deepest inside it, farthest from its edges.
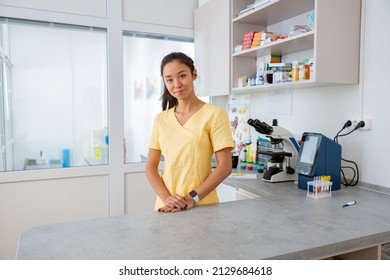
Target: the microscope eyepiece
(250, 122)
(260, 127)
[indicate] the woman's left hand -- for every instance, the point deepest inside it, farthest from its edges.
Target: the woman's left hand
(169, 209)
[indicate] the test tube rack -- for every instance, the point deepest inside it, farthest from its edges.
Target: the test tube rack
(319, 189)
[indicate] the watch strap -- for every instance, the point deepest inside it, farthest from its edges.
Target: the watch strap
(194, 196)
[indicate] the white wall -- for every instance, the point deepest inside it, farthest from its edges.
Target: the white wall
(85, 7)
(372, 146)
(167, 12)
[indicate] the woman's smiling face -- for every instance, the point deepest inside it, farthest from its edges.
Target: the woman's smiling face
(179, 80)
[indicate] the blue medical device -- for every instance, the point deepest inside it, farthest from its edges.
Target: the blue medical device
(318, 156)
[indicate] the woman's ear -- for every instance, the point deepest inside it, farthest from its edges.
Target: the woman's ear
(194, 75)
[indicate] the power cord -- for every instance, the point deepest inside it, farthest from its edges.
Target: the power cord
(348, 124)
(356, 169)
(355, 173)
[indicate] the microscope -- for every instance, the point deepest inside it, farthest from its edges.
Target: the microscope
(280, 167)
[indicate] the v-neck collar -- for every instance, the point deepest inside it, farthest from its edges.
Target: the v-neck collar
(189, 119)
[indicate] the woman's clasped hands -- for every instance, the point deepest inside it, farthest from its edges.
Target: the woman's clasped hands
(177, 203)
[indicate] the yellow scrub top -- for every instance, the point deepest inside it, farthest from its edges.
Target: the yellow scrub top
(188, 148)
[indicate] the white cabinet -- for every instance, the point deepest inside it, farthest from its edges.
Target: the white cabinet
(228, 193)
(212, 48)
(333, 43)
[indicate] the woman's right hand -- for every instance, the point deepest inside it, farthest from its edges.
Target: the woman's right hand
(174, 203)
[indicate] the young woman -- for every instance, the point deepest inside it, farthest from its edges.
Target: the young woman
(187, 133)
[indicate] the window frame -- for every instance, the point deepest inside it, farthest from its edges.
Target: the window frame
(115, 26)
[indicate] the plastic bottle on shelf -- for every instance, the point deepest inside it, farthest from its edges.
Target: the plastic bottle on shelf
(302, 72)
(243, 154)
(311, 66)
(260, 80)
(41, 161)
(240, 82)
(307, 66)
(98, 152)
(248, 152)
(295, 71)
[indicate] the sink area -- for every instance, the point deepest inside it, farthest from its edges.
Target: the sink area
(230, 193)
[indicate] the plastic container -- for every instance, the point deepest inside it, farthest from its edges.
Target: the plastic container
(249, 166)
(307, 66)
(260, 80)
(234, 161)
(242, 164)
(260, 167)
(295, 71)
(302, 72)
(254, 165)
(66, 157)
(248, 152)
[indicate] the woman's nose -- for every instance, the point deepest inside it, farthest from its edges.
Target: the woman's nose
(176, 83)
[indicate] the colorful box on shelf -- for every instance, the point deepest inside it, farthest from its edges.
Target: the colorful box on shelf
(260, 38)
(247, 40)
(275, 58)
(280, 67)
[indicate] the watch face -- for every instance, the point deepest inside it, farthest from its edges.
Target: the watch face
(193, 193)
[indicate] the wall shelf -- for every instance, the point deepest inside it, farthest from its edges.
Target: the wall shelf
(274, 11)
(297, 43)
(332, 45)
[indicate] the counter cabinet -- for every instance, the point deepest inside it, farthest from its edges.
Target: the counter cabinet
(281, 224)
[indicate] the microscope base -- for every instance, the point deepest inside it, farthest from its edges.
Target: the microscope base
(274, 176)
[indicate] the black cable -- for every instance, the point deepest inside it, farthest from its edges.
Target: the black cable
(347, 124)
(337, 135)
(344, 182)
(355, 171)
(345, 134)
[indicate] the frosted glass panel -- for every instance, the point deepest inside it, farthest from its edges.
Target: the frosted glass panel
(2, 132)
(59, 95)
(143, 88)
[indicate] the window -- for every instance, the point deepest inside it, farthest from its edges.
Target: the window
(143, 86)
(54, 96)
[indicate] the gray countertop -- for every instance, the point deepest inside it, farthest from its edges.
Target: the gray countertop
(281, 224)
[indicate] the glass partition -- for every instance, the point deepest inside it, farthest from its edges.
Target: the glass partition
(54, 111)
(142, 55)
(2, 132)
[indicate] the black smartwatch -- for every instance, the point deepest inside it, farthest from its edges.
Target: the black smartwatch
(194, 196)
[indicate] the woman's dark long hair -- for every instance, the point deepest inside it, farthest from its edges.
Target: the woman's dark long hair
(167, 100)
